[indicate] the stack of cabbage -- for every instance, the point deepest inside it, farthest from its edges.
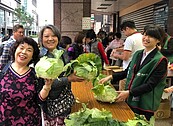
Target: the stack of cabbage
(50, 68)
(96, 117)
(91, 117)
(89, 66)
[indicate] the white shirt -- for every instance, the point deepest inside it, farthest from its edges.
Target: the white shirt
(145, 54)
(132, 43)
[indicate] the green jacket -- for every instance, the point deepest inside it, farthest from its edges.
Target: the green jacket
(149, 101)
(170, 57)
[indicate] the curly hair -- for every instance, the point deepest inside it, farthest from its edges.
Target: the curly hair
(31, 42)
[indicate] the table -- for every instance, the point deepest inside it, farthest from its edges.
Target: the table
(110, 69)
(170, 83)
(82, 92)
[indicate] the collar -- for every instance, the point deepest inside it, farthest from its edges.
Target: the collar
(135, 33)
(43, 51)
(146, 53)
(12, 38)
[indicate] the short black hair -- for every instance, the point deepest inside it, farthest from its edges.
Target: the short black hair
(153, 31)
(118, 35)
(110, 34)
(162, 33)
(127, 23)
(29, 41)
(90, 34)
(101, 33)
(65, 40)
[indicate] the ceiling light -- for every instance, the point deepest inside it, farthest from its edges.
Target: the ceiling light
(102, 8)
(105, 4)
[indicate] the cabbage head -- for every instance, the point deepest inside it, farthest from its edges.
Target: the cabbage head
(50, 68)
(86, 71)
(87, 66)
(104, 93)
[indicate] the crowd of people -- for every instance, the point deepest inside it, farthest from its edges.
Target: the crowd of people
(23, 96)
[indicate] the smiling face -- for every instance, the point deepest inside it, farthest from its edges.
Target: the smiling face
(24, 53)
(50, 40)
(149, 42)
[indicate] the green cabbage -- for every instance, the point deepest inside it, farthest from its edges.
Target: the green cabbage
(86, 70)
(50, 68)
(140, 120)
(103, 92)
(91, 117)
(96, 117)
(87, 66)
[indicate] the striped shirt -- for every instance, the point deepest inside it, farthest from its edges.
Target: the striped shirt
(6, 57)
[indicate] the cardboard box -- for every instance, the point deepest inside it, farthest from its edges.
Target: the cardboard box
(164, 110)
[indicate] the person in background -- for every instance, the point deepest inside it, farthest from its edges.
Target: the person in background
(50, 37)
(114, 44)
(19, 104)
(18, 33)
(86, 47)
(76, 48)
(167, 47)
(132, 43)
(5, 37)
(146, 76)
(65, 44)
(101, 35)
(96, 46)
(108, 39)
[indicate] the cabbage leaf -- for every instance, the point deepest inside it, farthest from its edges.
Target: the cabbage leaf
(91, 117)
(87, 66)
(104, 92)
(50, 68)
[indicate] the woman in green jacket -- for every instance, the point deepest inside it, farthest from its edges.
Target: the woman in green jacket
(146, 76)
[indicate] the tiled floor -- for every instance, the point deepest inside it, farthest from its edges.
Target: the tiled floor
(165, 122)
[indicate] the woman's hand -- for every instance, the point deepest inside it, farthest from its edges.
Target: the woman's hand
(48, 84)
(46, 88)
(168, 90)
(74, 78)
(123, 95)
(103, 80)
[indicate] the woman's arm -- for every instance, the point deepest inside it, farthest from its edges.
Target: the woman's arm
(45, 89)
(102, 52)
